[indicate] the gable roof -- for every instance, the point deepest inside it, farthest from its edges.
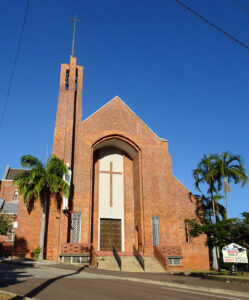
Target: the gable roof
(117, 98)
(8, 207)
(11, 173)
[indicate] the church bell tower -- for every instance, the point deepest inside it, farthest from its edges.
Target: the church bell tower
(69, 111)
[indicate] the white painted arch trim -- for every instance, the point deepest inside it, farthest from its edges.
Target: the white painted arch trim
(119, 144)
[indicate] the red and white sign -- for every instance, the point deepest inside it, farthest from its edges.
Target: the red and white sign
(234, 253)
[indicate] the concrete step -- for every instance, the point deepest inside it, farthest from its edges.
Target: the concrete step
(107, 263)
(130, 264)
(152, 265)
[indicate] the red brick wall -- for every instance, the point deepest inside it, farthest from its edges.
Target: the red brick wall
(7, 190)
(29, 224)
(129, 222)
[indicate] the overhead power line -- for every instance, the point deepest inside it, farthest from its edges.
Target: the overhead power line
(241, 5)
(14, 65)
(212, 24)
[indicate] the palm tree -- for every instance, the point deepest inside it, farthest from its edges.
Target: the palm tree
(206, 173)
(220, 211)
(230, 168)
(41, 181)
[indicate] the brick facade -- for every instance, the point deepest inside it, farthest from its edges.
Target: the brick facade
(8, 193)
(8, 190)
(150, 189)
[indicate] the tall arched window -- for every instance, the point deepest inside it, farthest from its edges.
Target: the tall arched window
(15, 196)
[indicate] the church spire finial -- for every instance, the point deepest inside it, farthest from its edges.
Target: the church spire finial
(74, 22)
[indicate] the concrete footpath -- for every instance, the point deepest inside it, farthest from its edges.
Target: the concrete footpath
(11, 296)
(189, 284)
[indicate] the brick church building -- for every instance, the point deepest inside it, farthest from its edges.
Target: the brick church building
(123, 192)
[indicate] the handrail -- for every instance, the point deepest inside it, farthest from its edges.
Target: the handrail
(116, 256)
(138, 256)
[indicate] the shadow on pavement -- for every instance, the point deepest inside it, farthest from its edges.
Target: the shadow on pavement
(9, 274)
(47, 283)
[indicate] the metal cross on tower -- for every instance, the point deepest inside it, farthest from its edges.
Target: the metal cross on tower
(74, 21)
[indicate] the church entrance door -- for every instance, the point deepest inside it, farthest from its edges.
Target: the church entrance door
(110, 234)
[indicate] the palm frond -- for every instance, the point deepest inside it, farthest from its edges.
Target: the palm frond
(65, 188)
(56, 166)
(29, 161)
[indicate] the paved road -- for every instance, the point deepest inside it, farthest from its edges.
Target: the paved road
(79, 283)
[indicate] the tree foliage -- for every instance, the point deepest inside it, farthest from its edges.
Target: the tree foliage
(214, 172)
(207, 211)
(217, 171)
(235, 230)
(40, 182)
(229, 168)
(206, 173)
(5, 223)
(41, 179)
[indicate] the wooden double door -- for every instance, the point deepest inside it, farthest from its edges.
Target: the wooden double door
(110, 234)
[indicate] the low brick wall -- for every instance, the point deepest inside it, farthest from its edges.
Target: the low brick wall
(162, 253)
(171, 251)
(70, 248)
(160, 257)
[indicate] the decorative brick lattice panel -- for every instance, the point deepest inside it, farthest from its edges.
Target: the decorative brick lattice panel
(69, 248)
(155, 231)
(171, 251)
(76, 223)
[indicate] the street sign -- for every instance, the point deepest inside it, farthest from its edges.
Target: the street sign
(234, 253)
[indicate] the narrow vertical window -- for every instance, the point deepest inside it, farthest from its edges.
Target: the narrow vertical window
(66, 80)
(155, 231)
(76, 79)
(10, 235)
(76, 227)
(187, 232)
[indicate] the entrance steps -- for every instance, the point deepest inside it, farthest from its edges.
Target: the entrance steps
(108, 263)
(129, 264)
(152, 265)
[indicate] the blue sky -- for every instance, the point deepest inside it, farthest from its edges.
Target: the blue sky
(186, 81)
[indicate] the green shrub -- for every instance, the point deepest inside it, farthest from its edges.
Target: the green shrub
(22, 255)
(36, 252)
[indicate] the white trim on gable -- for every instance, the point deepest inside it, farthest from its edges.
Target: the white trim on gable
(100, 109)
(129, 109)
(6, 171)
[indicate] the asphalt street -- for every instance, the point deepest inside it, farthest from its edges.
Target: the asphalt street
(85, 283)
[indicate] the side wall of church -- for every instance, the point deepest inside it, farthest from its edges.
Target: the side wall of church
(28, 231)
